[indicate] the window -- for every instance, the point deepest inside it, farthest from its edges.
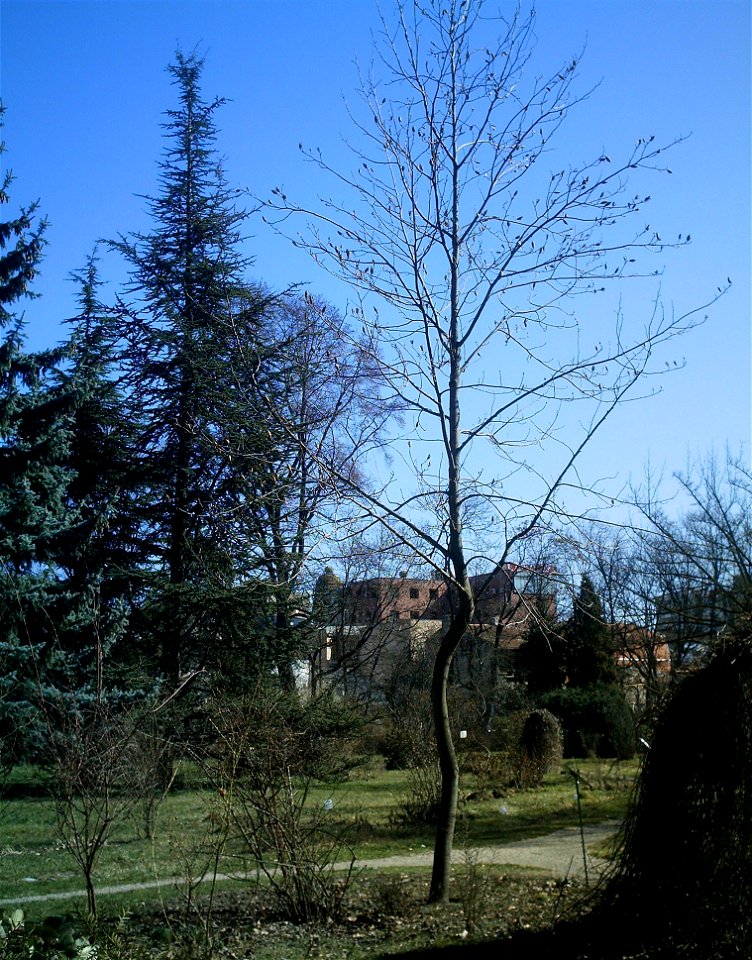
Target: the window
(433, 593)
(414, 615)
(414, 593)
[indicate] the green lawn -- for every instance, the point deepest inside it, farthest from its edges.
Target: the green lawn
(34, 861)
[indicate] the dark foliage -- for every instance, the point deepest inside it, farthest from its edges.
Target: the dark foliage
(542, 658)
(596, 721)
(682, 886)
(102, 555)
(541, 746)
(36, 604)
(590, 658)
(685, 874)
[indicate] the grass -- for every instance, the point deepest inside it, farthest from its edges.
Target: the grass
(33, 860)
(367, 808)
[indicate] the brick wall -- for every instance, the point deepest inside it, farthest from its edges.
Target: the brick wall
(409, 598)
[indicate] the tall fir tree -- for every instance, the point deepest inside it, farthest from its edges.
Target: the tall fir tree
(590, 657)
(190, 325)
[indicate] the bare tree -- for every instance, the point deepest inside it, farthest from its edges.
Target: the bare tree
(471, 254)
(307, 387)
(625, 565)
(703, 558)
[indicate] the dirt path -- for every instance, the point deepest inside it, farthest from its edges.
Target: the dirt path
(559, 853)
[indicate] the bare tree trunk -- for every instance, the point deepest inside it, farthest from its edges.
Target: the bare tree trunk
(450, 774)
(91, 896)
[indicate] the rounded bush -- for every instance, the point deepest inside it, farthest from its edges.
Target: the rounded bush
(541, 746)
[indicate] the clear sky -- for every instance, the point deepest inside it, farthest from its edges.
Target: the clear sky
(84, 86)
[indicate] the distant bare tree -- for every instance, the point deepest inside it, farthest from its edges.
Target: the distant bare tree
(702, 560)
(624, 565)
(478, 253)
(312, 391)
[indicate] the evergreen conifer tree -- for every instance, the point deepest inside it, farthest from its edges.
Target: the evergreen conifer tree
(34, 511)
(592, 708)
(590, 659)
(542, 656)
(191, 328)
(104, 557)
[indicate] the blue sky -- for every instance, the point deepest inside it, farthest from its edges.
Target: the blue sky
(84, 86)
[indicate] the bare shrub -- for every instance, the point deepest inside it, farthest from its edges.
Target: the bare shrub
(474, 891)
(262, 765)
(92, 780)
(150, 753)
(391, 896)
(420, 803)
(409, 727)
(492, 770)
(198, 853)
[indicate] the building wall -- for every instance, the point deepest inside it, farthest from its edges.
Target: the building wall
(409, 598)
(398, 598)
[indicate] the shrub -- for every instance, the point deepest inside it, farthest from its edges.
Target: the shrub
(540, 747)
(684, 871)
(391, 897)
(408, 740)
(490, 769)
(263, 762)
(596, 721)
(332, 727)
(399, 747)
(420, 805)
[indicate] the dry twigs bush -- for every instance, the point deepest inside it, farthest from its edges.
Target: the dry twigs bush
(264, 753)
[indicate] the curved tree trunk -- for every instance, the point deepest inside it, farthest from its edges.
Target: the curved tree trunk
(450, 774)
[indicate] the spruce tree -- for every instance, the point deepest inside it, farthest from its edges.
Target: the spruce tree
(592, 709)
(104, 558)
(31, 442)
(34, 512)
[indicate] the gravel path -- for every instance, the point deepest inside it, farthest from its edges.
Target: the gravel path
(559, 853)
